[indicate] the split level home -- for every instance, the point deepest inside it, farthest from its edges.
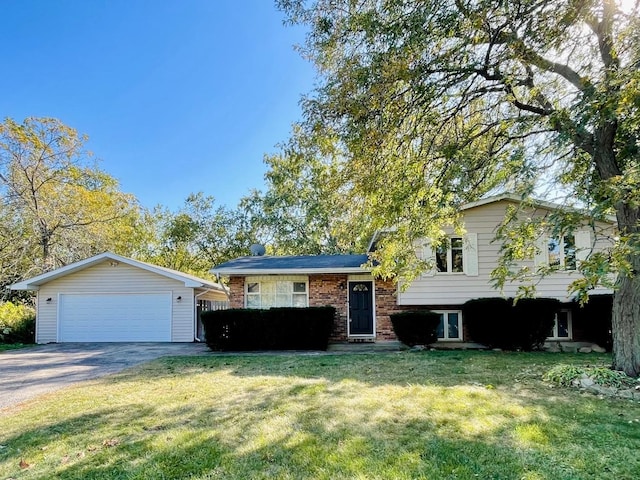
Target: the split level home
(462, 269)
(111, 298)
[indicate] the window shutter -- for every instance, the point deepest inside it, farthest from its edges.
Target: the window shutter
(583, 244)
(428, 254)
(541, 257)
(470, 254)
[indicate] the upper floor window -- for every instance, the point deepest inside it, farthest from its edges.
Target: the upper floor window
(277, 293)
(562, 252)
(449, 256)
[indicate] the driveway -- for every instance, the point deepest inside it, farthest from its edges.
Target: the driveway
(32, 371)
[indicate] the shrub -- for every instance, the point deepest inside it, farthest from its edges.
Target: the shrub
(594, 317)
(498, 323)
(272, 329)
(17, 323)
(416, 327)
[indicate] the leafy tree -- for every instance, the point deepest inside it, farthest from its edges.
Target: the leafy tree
(440, 102)
(305, 208)
(197, 236)
(56, 206)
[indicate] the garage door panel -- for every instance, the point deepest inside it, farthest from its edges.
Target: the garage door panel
(115, 318)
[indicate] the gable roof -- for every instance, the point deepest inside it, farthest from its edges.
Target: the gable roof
(292, 264)
(188, 280)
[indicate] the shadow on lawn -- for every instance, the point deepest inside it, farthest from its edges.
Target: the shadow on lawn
(402, 416)
(184, 447)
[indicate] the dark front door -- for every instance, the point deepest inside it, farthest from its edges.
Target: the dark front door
(361, 308)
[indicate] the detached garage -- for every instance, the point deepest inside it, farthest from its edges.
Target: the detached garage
(110, 298)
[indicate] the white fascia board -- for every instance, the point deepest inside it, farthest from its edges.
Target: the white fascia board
(231, 272)
(35, 282)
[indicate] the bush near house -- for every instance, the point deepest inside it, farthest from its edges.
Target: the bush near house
(594, 318)
(504, 323)
(416, 327)
(272, 329)
(17, 323)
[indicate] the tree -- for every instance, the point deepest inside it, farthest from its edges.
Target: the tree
(56, 206)
(438, 102)
(197, 236)
(305, 208)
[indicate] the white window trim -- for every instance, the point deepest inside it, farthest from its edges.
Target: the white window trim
(449, 251)
(272, 279)
(561, 253)
(554, 332)
(469, 256)
(446, 330)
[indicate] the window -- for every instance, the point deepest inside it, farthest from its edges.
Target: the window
(562, 252)
(449, 256)
(277, 293)
(450, 327)
(562, 326)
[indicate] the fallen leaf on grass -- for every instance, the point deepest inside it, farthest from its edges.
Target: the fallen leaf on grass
(113, 442)
(24, 464)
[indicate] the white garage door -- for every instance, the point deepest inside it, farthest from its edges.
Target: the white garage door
(115, 318)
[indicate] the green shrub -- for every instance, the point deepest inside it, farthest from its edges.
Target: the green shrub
(272, 329)
(416, 327)
(564, 375)
(594, 317)
(498, 323)
(17, 323)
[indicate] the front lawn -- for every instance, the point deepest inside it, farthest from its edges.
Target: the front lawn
(14, 346)
(426, 415)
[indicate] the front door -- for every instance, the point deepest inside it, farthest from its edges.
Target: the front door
(361, 308)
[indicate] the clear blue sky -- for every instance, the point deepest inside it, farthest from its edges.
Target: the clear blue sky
(176, 96)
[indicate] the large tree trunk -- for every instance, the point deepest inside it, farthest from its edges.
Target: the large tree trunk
(626, 303)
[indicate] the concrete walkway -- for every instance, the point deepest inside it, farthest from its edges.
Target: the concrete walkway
(32, 371)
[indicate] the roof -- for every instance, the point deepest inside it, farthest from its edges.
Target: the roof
(188, 280)
(293, 264)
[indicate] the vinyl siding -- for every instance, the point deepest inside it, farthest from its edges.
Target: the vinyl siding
(104, 278)
(457, 288)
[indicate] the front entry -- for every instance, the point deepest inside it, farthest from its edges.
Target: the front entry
(361, 308)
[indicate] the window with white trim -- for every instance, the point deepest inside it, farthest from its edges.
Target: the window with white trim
(449, 256)
(562, 328)
(277, 293)
(450, 326)
(562, 252)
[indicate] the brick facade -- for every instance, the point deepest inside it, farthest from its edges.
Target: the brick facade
(331, 289)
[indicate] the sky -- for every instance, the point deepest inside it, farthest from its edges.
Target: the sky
(176, 96)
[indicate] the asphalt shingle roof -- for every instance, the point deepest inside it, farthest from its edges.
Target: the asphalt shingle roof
(302, 263)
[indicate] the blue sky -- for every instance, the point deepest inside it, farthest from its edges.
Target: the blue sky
(176, 96)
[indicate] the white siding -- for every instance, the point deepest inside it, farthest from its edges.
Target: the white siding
(104, 278)
(457, 288)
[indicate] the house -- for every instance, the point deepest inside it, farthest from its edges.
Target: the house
(111, 298)
(461, 272)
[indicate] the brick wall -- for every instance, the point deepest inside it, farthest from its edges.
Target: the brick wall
(331, 290)
(236, 292)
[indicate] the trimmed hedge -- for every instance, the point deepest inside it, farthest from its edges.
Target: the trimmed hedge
(594, 318)
(272, 329)
(498, 323)
(17, 323)
(416, 327)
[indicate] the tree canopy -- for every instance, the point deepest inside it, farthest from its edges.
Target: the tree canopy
(437, 103)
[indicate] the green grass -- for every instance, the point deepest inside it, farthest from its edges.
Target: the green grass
(13, 346)
(427, 415)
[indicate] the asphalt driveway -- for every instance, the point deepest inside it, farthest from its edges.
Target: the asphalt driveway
(32, 371)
